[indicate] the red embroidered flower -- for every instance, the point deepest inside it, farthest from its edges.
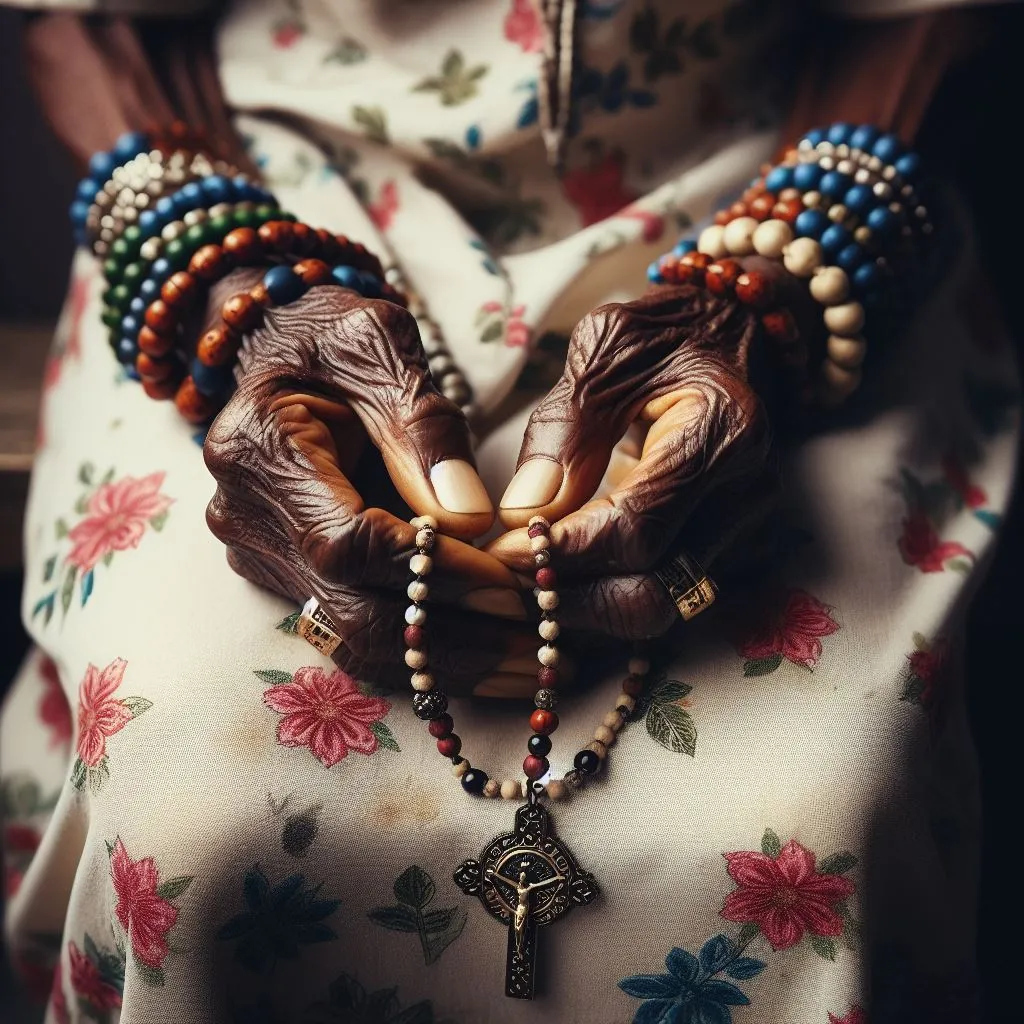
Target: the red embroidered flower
(919, 544)
(54, 710)
(326, 713)
(145, 916)
(99, 715)
(287, 33)
(598, 191)
(855, 1016)
(653, 224)
(88, 983)
(524, 27)
(382, 212)
(58, 1001)
(793, 631)
(517, 333)
(118, 514)
(971, 495)
(785, 896)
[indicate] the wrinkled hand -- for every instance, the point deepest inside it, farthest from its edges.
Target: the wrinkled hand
(335, 421)
(675, 366)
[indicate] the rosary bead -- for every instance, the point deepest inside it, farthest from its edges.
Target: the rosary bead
(761, 206)
(546, 579)
(535, 767)
(460, 767)
(605, 735)
(772, 237)
(712, 241)
(276, 235)
(587, 762)
(424, 523)
(737, 210)
(415, 615)
(802, 256)
(538, 745)
(414, 636)
(613, 720)
(305, 238)
(541, 558)
(545, 699)
(721, 276)
(787, 210)
(511, 789)
(217, 347)
(193, 405)
(847, 319)
(449, 746)
(152, 369)
(548, 656)
(556, 789)
(154, 344)
(416, 659)
(540, 543)
(780, 325)
(160, 318)
(427, 706)
(549, 629)
(543, 721)
(626, 702)
(842, 382)
(473, 781)
(548, 676)
(425, 539)
(161, 390)
(598, 748)
(491, 789)
(243, 245)
(417, 590)
(421, 565)
(441, 727)
(639, 666)
(242, 313)
(422, 682)
(547, 600)
(179, 290)
(830, 285)
(847, 353)
(739, 236)
(208, 262)
(754, 289)
(536, 530)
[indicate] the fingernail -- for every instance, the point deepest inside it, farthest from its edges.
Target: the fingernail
(535, 484)
(458, 488)
(495, 601)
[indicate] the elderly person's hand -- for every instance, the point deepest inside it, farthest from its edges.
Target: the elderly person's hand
(335, 423)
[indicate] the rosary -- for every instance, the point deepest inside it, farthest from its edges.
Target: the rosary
(528, 877)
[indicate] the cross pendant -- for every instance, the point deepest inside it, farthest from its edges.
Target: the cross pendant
(525, 879)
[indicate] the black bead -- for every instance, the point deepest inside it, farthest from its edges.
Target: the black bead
(587, 762)
(474, 781)
(430, 705)
(539, 746)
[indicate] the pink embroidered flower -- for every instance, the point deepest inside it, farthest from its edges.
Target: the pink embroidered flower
(99, 715)
(784, 896)
(118, 514)
(287, 33)
(54, 710)
(58, 1001)
(382, 211)
(971, 495)
(855, 1016)
(491, 306)
(145, 916)
(524, 27)
(653, 224)
(598, 191)
(517, 333)
(326, 713)
(794, 631)
(919, 544)
(88, 983)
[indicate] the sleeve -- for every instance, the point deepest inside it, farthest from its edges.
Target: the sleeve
(897, 8)
(139, 8)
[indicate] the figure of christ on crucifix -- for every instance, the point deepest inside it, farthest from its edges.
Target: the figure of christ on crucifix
(523, 891)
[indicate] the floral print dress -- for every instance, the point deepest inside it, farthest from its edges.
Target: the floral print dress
(205, 820)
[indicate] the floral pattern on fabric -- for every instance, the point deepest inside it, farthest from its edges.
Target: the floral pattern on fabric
(277, 920)
(348, 1002)
(495, 323)
(523, 26)
(54, 710)
(144, 908)
(58, 1000)
(383, 209)
(97, 978)
(666, 48)
(791, 629)
(926, 672)
(855, 1015)
(928, 505)
(598, 190)
(326, 712)
(456, 82)
(666, 714)
(22, 805)
(100, 716)
(115, 518)
(437, 928)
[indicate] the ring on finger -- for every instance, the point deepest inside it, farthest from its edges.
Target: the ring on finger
(689, 586)
(316, 627)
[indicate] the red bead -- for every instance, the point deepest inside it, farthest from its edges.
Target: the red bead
(754, 289)
(179, 290)
(160, 318)
(547, 676)
(313, 272)
(441, 727)
(218, 346)
(537, 530)
(276, 235)
(546, 578)
(154, 344)
(304, 239)
(414, 636)
(722, 218)
(449, 746)
(633, 686)
(737, 210)
(209, 262)
(780, 326)
(192, 403)
(544, 722)
(242, 313)
(698, 260)
(669, 267)
(161, 390)
(787, 210)
(535, 767)
(154, 369)
(721, 277)
(243, 246)
(761, 207)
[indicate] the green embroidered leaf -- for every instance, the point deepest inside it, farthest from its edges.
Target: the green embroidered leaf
(108, 558)
(748, 933)
(960, 565)
(438, 941)
(136, 705)
(672, 727)
(274, 676)
(45, 604)
(60, 528)
(672, 691)
(456, 83)
(110, 847)
(373, 121)
(414, 887)
(385, 738)
(174, 887)
(452, 64)
(445, 149)
(68, 589)
(439, 920)
(494, 331)
(108, 476)
(91, 949)
(838, 863)
(78, 773)
(771, 845)
(347, 51)
(82, 505)
(98, 774)
(920, 642)
(158, 521)
(85, 473)
(397, 919)
(48, 568)
(290, 623)
(823, 947)
(762, 666)
(150, 975)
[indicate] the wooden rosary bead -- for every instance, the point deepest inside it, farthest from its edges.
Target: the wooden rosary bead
(218, 346)
(754, 289)
(738, 209)
(261, 295)
(633, 686)
(780, 326)
(304, 238)
(722, 218)
(721, 276)
(277, 235)
(761, 207)
(179, 290)
(787, 210)
(312, 272)
(160, 318)
(154, 344)
(242, 313)
(243, 245)
(152, 369)
(161, 390)
(208, 262)
(193, 405)
(544, 722)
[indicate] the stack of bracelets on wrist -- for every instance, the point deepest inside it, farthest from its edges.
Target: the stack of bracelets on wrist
(841, 211)
(169, 222)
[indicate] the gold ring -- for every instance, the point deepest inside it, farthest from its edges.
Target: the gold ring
(316, 627)
(689, 586)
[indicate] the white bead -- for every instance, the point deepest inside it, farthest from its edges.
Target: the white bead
(547, 600)
(424, 523)
(712, 241)
(830, 285)
(862, 234)
(421, 564)
(639, 666)
(802, 256)
(883, 190)
(511, 790)
(846, 319)
(842, 382)
(460, 768)
(416, 659)
(491, 788)
(846, 352)
(151, 248)
(838, 213)
(826, 163)
(613, 720)
(549, 630)
(548, 656)
(812, 199)
(772, 237)
(220, 210)
(195, 217)
(739, 236)
(625, 701)
(845, 166)
(541, 543)
(425, 539)
(417, 590)
(415, 615)
(862, 177)
(422, 682)
(556, 789)
(598, 748)
(874, 164)
(171, 231)
(605, 735)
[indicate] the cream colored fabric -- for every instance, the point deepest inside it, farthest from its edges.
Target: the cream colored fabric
(802, 781)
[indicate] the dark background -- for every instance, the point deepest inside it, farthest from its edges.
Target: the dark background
(973, 133)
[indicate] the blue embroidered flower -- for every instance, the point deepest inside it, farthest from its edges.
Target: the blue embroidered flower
(473, 137)
(689, 993)
(528, 113)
